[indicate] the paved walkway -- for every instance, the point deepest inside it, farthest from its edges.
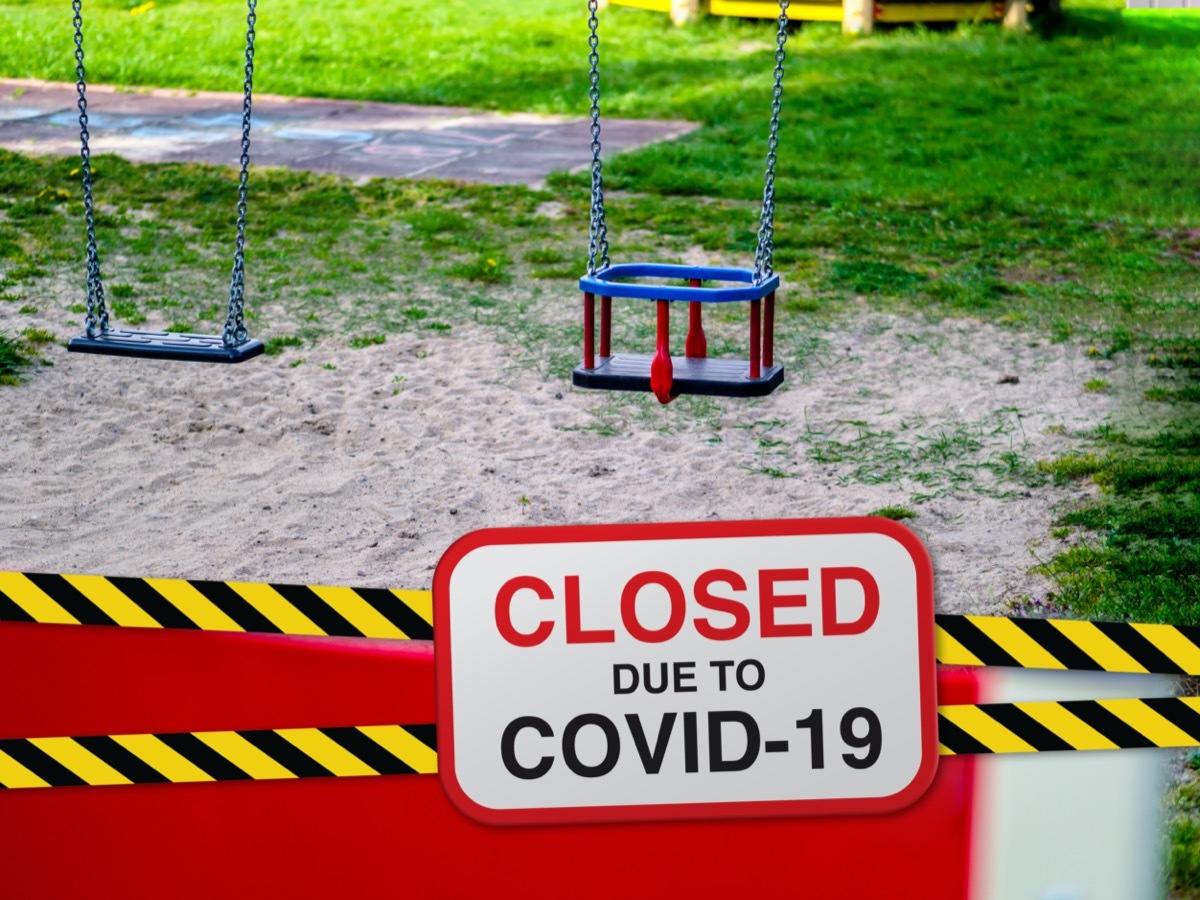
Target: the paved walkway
(356, 139)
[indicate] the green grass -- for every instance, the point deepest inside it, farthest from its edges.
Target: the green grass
(484, 269)
(1187, 394)
(1073, 465)
(975, 119)
(1185, 854)
(15, 356)
(1139, 557)
(933, 458)
(127, 312)
(895, 513)
(1140, 560)
(1184, 859)
(36, 337)
(276, 345)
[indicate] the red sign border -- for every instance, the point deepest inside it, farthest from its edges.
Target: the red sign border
(676, 531)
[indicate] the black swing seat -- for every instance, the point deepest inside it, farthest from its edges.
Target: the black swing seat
(707, 377)
(165, 345)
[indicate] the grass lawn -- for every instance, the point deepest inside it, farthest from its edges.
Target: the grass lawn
(1046, 182)
(972, 120)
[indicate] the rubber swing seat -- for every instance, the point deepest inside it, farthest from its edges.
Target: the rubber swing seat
(165, 345)
(707, 377)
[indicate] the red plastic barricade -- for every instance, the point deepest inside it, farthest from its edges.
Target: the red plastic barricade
(395, 835)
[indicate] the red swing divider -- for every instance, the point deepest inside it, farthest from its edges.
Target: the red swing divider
(697, 343)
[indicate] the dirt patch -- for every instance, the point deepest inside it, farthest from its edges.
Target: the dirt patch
(366, 472)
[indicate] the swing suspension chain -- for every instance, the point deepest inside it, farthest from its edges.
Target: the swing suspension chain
(598, 229)
(97, 313)
(235, 321)
(764, 255)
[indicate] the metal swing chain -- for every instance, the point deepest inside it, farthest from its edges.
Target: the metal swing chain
(97, 313)
(764, 255)
(598, 228)
(235, 321)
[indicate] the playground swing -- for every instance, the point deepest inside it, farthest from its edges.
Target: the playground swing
(234, 345)
(695, 373)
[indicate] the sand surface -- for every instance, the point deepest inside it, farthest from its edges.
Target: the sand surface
(348, 476)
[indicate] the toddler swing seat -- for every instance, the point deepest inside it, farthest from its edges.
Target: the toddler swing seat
(662, 374)
(668, 376)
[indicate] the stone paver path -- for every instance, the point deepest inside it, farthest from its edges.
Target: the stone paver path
(356, 139)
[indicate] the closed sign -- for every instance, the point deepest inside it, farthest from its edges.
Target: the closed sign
(685, 670)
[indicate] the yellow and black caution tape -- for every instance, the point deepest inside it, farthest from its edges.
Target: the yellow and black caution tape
(215, 606)
(378, 613)
(412, 749)
(1068, 644)
(218, 756)
(1069, 725)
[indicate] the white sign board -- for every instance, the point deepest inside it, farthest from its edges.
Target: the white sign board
(693, 670)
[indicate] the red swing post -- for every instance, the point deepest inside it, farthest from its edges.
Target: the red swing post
(755, 339)
(697, 343)
(605, 327)
(662, 371)
(768, 338)
(589, 330)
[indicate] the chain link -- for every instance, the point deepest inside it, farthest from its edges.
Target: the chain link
(764, 255)
(97, 313)
(598, 229)
(235, 321)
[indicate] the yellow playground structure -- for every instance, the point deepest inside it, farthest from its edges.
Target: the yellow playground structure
(856, 16)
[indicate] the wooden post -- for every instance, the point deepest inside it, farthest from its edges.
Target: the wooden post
(684, 11)
(858, 16)
(1016, 15)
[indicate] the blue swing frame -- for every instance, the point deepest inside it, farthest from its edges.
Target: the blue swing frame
(608, 283)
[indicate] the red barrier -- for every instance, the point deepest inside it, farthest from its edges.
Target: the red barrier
(395, 835)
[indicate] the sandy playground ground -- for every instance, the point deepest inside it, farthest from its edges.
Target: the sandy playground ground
(365, 473)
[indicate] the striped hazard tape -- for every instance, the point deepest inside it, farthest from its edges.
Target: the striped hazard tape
(1069, 725)
(218, 756)
(378, 613)
(1068, 644)
(412, 749)
(215, 606)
